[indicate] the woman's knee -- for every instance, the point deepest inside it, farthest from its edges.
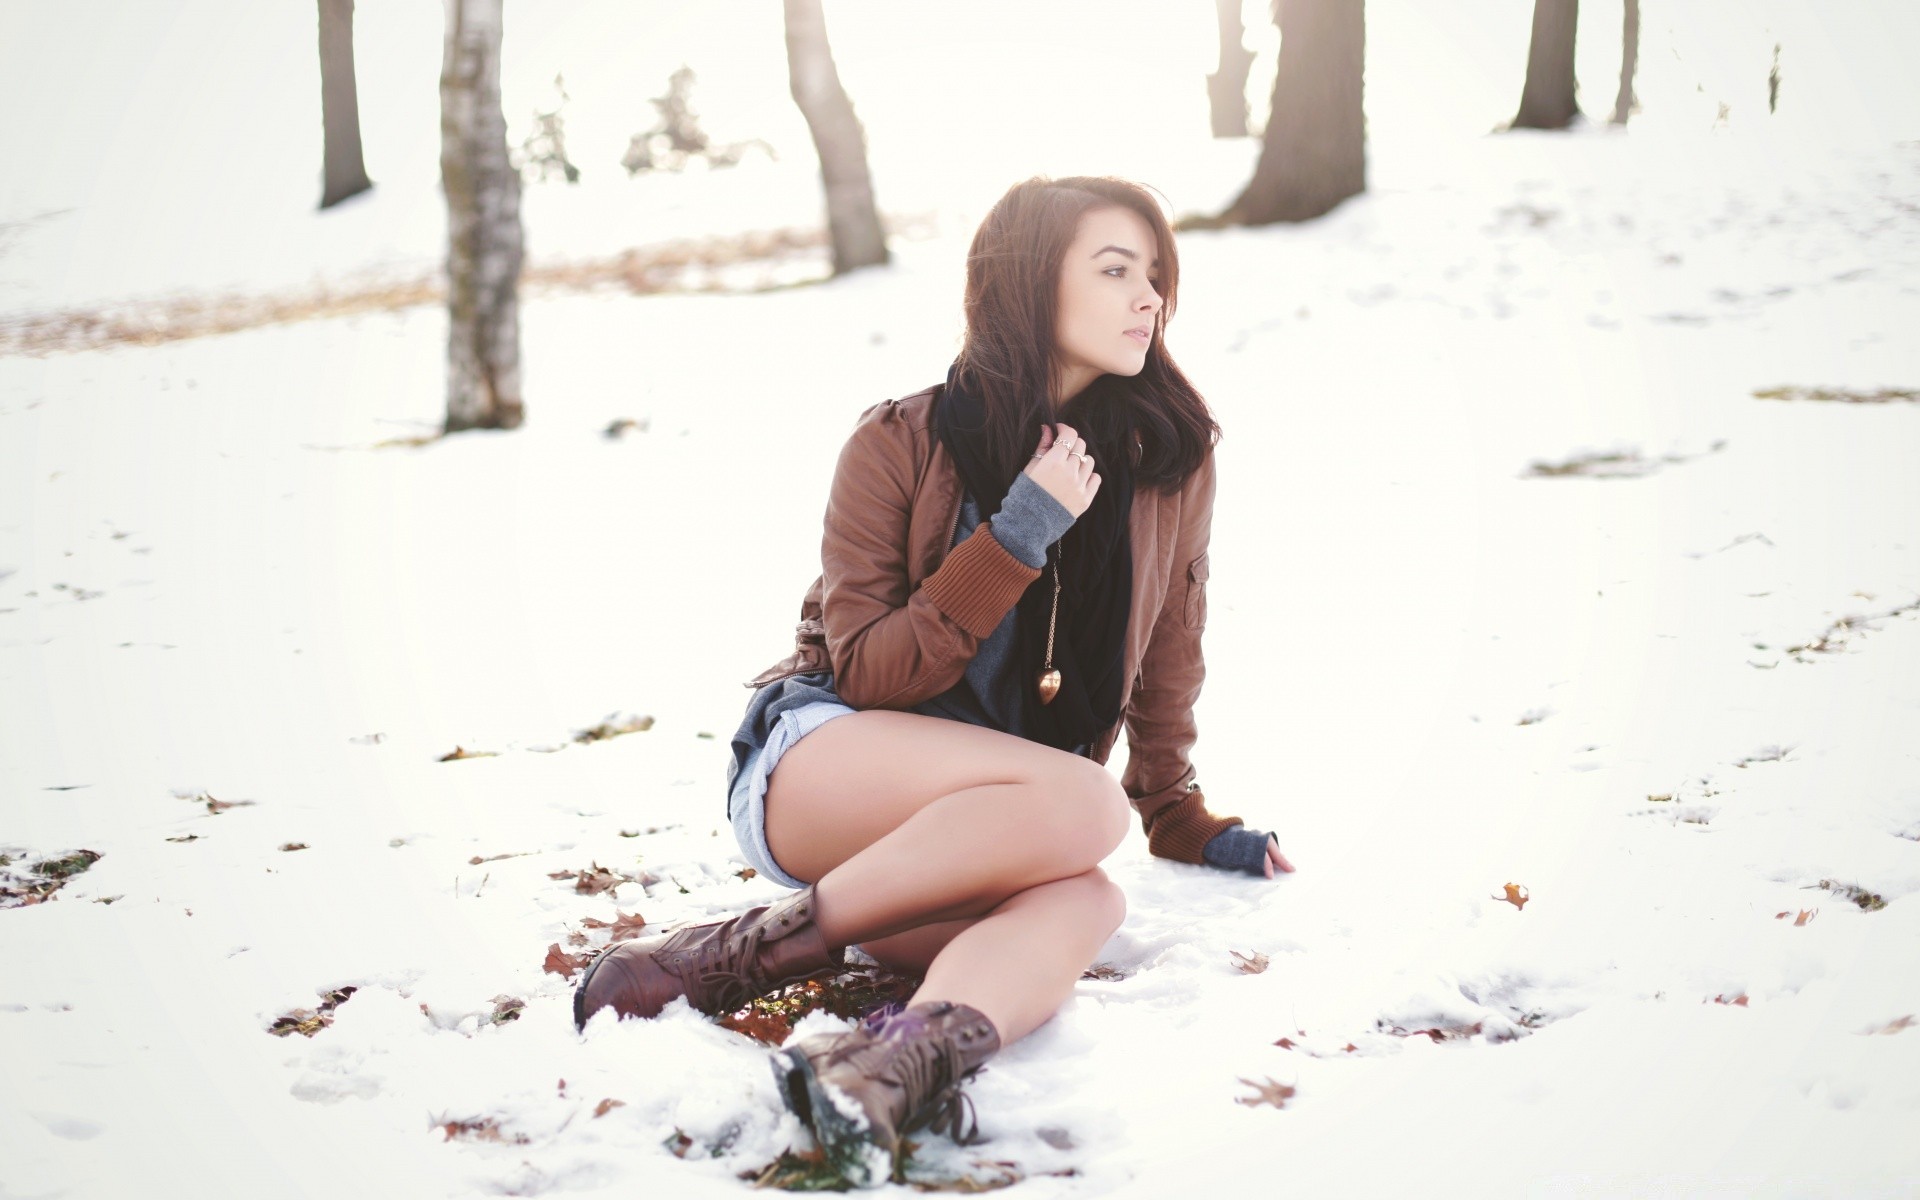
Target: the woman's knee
(1087, 808)
(1104, 897)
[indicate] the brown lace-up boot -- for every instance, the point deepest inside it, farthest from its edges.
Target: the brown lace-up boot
(862, 1089)
(718, 967)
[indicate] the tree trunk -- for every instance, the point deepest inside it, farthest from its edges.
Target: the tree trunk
(483, 225)
(1314, 152)
(345, 170)
(1547, 100)
(1624, 103)
(852, 219)
(1227, 86)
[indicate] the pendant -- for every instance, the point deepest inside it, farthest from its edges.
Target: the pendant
(1049, 686)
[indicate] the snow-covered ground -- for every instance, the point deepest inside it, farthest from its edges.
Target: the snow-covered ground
(1434, 672)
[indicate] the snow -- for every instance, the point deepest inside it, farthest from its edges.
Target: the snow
(1433, 672)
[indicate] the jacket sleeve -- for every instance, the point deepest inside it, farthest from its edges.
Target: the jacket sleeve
(893, 646)
(1159, 717)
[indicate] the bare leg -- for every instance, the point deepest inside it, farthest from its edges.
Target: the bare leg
(957, 850)
(1019, 963)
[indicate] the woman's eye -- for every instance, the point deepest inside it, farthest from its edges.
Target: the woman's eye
(1116, 272)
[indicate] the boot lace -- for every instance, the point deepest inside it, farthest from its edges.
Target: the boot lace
(928, 1071)
(727, 976)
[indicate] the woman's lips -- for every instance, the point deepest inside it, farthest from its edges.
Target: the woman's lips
(1143, 336)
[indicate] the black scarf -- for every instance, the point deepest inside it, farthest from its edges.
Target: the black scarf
(1095, 558)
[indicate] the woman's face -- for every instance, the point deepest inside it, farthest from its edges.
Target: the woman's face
(1108, 302)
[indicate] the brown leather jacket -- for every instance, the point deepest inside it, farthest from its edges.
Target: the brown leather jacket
(897, 618)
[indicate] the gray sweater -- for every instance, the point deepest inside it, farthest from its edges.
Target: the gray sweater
(1028, 522)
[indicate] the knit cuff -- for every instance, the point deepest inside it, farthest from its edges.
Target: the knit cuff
(1182, 830)
(978, 583)
(1237, 848)
(1029, 521)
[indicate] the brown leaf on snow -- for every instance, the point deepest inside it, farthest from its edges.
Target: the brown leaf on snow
(1276, 1094)
(597, 879)
(1516, 895)
(624, 925)
(560, 963)
(615, 725)
(576, 938)
(1740, 1000)
(308, 1021)
(1894, 1026)
(1286, 1043)
(608, 1105)
(1250, 966)
(220, 806)
(505, 1008)
(746, 872)
(290, 846)
(476, 860)
(478, 1129)
(460, 752)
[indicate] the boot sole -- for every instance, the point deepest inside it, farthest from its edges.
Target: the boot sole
(842, 1138)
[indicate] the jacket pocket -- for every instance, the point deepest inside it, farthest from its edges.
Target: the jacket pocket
(1197, 593)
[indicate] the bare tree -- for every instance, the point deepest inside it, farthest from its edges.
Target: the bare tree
(1227, 86)
(1547, 101)
(853, 221)
(484, 246)
(1314, 152)
(1625, 102)
(345, 172)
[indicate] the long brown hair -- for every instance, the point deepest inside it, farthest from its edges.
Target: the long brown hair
(1009, 357)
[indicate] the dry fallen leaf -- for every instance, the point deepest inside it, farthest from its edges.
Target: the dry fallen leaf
(479, 1129)
(1286, 1043)
(1896, 1025)
(293, 846)
(460, 752)
(1805, 916)
(1740, 1000)
(597, 879)
(1250, 966)
(746, 872)
(624, 925)
(1276, 1094)
(560, 963)
(608, 1105)
(1516, 895)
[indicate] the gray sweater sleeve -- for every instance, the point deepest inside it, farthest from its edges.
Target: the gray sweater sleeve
(1029, 521)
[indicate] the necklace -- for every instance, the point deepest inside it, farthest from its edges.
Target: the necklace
(1048, 683)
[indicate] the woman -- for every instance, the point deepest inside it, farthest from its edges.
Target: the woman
(1014, 565)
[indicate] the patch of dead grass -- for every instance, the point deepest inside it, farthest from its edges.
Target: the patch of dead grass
(760, 260)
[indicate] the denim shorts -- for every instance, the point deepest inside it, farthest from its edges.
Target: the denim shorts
(747, 793)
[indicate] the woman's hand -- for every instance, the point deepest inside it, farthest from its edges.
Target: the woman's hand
(1238, 848)
(1062, 466)
(1274, 857)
